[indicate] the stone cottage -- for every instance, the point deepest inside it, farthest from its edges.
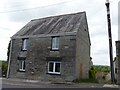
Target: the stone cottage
(117, 62)
(55, 48)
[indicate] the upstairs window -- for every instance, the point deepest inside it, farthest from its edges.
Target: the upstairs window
(55, 43)
(24, 44)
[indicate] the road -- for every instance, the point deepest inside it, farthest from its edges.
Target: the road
(33, 84)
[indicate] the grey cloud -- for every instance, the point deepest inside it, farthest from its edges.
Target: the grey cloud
(99, 33)
(101, 59)
(102, 51)
(26, 15)
(96, 15)
(52, 10)
(4, 28)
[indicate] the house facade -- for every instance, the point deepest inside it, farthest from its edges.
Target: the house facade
(117, 62)
(55, 48)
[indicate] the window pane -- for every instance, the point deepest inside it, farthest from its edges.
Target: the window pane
(57, 67)
(24, 65)
(25, 44)
(51, 67)
(55, 43)
(20, 64)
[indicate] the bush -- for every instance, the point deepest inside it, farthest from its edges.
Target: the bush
(4, 68)
(92, 74)
(92, 77)
(103, 77)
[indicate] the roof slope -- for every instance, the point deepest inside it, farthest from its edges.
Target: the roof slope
(53, 24)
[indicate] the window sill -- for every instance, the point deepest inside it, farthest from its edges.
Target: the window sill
(53, 73)
(55, 49)
(23, 50)
(21, 70)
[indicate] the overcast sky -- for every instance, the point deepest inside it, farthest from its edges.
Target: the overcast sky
(14, 14)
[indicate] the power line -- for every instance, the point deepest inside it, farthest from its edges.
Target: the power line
(10, 11)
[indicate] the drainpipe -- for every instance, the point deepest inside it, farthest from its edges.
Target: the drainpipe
(9, 58)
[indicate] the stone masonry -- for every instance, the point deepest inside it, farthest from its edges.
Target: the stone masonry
(118, 58)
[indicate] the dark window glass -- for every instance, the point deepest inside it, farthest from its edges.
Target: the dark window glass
(116, 70)
(51, 67)
(57, 67)
(23, 65)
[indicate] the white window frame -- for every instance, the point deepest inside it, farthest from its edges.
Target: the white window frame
(24, 45)
(21, 67)
(54, 63)
(55, 43)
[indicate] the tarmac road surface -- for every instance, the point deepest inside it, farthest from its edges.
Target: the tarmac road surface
(14, 83)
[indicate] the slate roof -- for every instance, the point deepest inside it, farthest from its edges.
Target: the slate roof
(53, 24)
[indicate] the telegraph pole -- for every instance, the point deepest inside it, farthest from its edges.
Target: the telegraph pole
(110, 41)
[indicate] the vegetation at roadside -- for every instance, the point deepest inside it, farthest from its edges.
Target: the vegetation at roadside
(92, 74)
(92, 77)
(100, 68)
(4, 66)
(0, 63)
(85, 81)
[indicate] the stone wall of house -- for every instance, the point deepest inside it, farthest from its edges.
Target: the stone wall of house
(16, 51)
(83, 51)
(118, 59)
(37, 57)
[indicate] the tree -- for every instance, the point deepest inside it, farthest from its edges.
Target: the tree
(4, 68)
(8, 52)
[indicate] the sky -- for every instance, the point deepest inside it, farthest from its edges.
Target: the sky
(14, 14)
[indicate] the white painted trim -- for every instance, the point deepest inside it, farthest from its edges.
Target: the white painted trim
(21, 69)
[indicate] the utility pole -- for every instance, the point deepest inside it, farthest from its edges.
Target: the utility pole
(110, 41)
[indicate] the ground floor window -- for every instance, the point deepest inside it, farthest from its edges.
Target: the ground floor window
(21, 65)
(54, 67)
